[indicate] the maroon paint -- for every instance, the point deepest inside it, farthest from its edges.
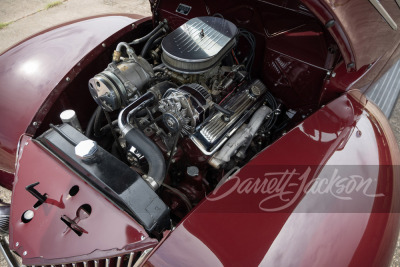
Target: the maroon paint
(20, 53)
(8, 146)
(344, 80)
(369, 35)
(216, 231)
(337, 32)
(288, 79)
(33, 75)
(46, 238)
(316, 230)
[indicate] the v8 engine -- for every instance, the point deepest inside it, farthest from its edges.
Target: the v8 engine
(183, 110)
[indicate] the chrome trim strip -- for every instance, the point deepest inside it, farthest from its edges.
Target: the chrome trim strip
(96, 263)
(130, 259)
(384, 13)
(84, 264)
(119, 261)
(142, 257)
(107, 262)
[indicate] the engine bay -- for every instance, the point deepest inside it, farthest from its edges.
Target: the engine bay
(179, 115)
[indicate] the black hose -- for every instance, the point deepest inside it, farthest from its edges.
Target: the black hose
(149, 42)
(150, 151)
(89, 128)
(171, 153)
(144, 38)
(181, 195)
(133, 108)
(107, 127)
(136, 138)
(252, 41)
(227, 112)
(273, 117)
(158, 40)
(97, 123)
(114, 134)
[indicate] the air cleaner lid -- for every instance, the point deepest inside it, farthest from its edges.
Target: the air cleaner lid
(199, 44)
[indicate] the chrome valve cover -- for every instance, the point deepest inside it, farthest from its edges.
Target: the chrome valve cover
(213, 133)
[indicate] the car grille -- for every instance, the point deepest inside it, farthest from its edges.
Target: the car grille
(126, 260)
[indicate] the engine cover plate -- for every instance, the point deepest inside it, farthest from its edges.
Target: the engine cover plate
(199, 44)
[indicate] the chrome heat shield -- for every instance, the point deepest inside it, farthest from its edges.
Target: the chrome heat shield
(198, 45)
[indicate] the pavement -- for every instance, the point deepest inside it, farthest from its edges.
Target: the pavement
(28, 17)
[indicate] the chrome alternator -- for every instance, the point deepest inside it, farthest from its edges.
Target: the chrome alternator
(185, 107)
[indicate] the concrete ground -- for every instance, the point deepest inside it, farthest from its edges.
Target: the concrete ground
(30, 16)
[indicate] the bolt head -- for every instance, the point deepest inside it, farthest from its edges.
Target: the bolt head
(226, 118)
(192, 171)
(255, 90)
(170, 122)
(28, 215)
(25, 252)
(86, 149)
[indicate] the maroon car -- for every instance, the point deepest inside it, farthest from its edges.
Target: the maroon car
(236, 133)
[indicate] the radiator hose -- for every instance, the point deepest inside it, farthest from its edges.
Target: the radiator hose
(152, 153)
(136, 138)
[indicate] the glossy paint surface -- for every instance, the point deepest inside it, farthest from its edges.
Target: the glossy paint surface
(46, 239)
(35, 71)
(301, 228)
(364, 38)
(313, 230)
(369, 35)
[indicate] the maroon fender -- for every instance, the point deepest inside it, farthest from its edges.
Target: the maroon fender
(349, 135)
(60, 53)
